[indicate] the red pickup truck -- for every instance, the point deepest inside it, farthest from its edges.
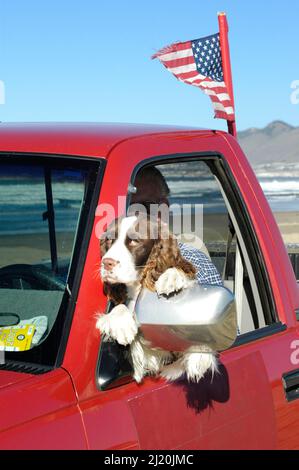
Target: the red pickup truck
(64, 389)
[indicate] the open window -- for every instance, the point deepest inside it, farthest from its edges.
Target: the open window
(199, 196)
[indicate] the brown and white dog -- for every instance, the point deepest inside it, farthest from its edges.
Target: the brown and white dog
(141, 252)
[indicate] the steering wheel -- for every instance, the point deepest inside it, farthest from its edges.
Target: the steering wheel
(26, 276)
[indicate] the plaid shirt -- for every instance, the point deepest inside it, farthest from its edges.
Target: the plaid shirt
(206, 271)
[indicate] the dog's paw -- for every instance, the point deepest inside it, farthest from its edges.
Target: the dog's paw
(119, 325)
(174, 371)
(197, 364)
(171, 281)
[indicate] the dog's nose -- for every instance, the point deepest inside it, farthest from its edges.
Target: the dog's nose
(109, 263)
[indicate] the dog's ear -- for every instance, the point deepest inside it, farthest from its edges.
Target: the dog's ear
(117, 293)
(165, 254)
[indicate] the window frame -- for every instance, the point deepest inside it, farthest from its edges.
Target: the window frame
(221, 169)
(27, 361)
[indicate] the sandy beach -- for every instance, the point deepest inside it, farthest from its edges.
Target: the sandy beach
(215, 227)
(30, 249)
(288, 223)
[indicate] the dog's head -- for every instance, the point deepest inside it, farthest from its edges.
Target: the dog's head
(138, 249)
(125, 248)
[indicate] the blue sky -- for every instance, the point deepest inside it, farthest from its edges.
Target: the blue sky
(90, 60)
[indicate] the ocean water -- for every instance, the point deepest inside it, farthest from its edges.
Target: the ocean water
(22, 206)
(282, 193)
(280, 183)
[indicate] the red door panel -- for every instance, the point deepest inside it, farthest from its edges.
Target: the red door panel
(108, 421)
(232, 411)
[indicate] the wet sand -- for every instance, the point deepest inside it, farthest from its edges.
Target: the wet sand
(31, 249)
(215, 227)
(288, 223)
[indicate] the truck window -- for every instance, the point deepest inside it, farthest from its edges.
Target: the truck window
(201, 218)
(42, 202)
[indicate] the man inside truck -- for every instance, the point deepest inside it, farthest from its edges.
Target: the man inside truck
(151, 189)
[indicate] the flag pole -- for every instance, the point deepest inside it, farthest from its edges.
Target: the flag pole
(226, 65)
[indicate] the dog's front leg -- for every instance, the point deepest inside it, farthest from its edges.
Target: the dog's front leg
(147, 360)
(119, 325)
(195, 363)
(171, 281)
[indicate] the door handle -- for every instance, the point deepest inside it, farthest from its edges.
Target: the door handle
(291, 385)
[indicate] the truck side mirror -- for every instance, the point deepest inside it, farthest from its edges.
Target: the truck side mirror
(201, 315)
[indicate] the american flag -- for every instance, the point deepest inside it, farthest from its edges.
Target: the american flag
(199, 63)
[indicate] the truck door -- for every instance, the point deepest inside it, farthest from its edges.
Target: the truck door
(244, 406)
(235, 408)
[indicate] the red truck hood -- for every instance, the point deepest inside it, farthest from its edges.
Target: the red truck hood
(25, 397)
(8, 378)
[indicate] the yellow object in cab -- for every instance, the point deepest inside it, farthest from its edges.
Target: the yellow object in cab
(16, 338)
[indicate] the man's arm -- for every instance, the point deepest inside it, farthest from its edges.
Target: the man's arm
(206, 271)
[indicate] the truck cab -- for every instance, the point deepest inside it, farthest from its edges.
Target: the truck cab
(67, 389)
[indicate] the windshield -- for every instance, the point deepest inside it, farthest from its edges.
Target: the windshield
(41, 206)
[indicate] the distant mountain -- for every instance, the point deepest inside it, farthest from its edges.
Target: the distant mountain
(278, 142)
